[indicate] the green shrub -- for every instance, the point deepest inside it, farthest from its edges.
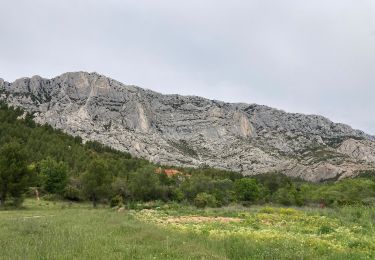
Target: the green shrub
(285, 196)
(369, 201)
(116, 201)
(72, 193)
(178, 195)
(267, 210)
(51, 197)
(325, 230)
(247, 189)
(203, 200)
(289, 211)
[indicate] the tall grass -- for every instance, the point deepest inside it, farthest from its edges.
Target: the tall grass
(48, 230)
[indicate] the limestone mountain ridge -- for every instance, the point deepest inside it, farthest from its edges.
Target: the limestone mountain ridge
(193, 131)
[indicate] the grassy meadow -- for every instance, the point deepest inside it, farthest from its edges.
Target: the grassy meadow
(63, 230)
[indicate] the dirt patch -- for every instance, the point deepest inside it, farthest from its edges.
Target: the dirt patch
(199, 219)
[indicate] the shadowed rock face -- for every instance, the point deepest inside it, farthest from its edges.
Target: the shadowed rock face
(193, 131)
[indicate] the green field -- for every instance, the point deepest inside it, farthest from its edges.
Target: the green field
(62, 230)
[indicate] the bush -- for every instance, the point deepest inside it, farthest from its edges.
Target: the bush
(116, 201)
(203, 200)
(247, 189)
(51, 197)
(323, 230)
(72, 193)
(17, 201)
(144, 185)
(268, 210)
(178, 195)
(287, 196)
(369, 201)
(288, 211)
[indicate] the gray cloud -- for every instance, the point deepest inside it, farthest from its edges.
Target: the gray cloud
(312, 57)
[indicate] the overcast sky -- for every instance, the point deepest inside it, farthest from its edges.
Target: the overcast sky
(315, 57)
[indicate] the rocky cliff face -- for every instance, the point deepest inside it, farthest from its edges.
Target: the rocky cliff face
(193, 131)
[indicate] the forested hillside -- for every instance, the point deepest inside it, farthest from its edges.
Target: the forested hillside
(38, 159)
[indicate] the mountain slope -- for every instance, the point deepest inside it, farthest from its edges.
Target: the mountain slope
(193, 131)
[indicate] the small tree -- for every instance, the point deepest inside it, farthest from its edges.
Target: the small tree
(203, 200)
(247, 189)
(144, 185)
(285, 195)
(73, 189)
(120, 188)
(54, 175)
(96, 181)
(14, 173)
(223, 191)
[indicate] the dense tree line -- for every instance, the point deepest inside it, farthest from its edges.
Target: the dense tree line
(37, 158)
